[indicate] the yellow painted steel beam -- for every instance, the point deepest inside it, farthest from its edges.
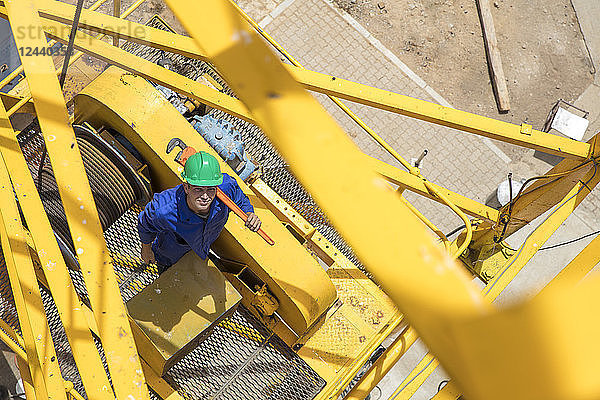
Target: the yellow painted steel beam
(58, 11)
(556, 334)
(589, 258)
(149, 70)
(337, 87)
(420, 109)
(383, 365)
(570, 274)
(160, 386)
(543, 232)
(80, 209)
(457, 211)
(546, 191)
(116, 14)
(426, 285)
(26, 379)
(416, 184)
(8, 333)
(26, 104)
(57, 276)
(17, 345)
(22, 362)
(579, 267)
(448, 392)
(39, 347)
(72, 392)
(12, 340)
(415, 378)
(10, 101)
(19, 69)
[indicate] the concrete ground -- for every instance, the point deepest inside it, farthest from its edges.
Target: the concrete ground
(326, 39)
(9, 373)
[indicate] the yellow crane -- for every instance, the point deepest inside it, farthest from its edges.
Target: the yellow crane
(87, 319)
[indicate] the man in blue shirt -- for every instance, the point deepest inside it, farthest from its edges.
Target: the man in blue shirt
(189, 216)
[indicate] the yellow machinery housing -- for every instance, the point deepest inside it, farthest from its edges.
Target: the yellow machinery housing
(295, 320)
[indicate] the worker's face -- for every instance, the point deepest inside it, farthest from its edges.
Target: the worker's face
(199, 198)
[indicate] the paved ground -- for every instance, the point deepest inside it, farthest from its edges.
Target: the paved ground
(588, 14)
(8, 368)
(321, 39)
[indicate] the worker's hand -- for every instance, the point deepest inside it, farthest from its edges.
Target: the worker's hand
(253, 222)
(147, 254)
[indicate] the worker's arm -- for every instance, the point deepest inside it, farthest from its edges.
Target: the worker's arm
(236, 194)
(148, 228)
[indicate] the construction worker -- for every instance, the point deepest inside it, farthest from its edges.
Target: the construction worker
(189, 216)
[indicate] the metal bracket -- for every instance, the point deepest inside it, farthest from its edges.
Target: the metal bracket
(526, 129)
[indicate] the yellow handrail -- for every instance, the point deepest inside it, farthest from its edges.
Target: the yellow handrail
(429, 224)
(459, 212)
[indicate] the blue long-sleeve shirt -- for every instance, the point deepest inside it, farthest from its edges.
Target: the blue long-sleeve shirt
(173, 229)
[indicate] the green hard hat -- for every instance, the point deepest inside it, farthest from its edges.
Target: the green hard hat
(202, 169)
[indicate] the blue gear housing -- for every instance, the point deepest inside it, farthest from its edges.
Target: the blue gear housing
(227, 141)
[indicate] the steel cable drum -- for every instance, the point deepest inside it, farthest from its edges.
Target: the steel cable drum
(115, 187)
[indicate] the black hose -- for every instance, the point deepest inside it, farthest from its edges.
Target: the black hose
(442, 384)
(557, 176)
(460, 228)
(510, 192)
(72, 34)
(569, 241)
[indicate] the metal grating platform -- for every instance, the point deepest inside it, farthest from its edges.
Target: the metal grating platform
(240, 359)
(254, 363)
